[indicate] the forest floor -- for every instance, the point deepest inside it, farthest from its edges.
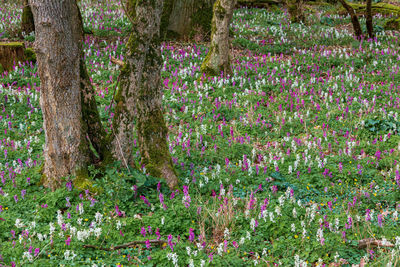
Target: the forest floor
(292, 161)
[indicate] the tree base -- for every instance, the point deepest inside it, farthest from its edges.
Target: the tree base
(12, 53)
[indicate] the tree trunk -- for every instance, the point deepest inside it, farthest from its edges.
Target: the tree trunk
(354, 19)
(27, 22)
(141, 86)
(217, 59)
(295, 10)
(58, 50)
(96, 133)
(186, 19)
(370, 27)
(122, 126)
(11, 54)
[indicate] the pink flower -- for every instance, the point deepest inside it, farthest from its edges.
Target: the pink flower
(68, 241)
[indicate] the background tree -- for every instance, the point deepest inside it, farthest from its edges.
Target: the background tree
(354, 19)
(58, 49)
(140, 93)
(217, 58)
(27, 22)
(370, 27)
(295, 10)
(183, 19)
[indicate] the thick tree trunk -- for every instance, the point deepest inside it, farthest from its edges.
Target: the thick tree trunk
(96, 133)
(354, 19)
(217, 59)
(58, 49)
(370, 27)
(122, 126)
(27, 22)
(141, 86)
(185, 19)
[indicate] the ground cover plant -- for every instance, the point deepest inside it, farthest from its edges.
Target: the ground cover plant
(291, 161)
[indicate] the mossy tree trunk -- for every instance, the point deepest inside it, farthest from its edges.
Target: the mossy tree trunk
(58, 50)
(184, 19)
(218, 59)
(96, 133)
(370, 27)
(27, 22)
(140, 90)
(123, 121)
(354, 19)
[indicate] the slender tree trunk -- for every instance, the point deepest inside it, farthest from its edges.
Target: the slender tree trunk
(370, 27)
(140, 91)
(354, 19)
(58, 49)
(27, 22)
(217, 59)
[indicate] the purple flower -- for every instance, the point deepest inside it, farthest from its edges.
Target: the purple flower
(380, 217)
(158, 234)
(147, 244)
(145, 200)
(170, 244)
(143, 231)
(191, 235)
(68, 241)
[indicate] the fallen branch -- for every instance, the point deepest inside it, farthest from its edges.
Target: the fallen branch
(257, 3)
(117, 61)
(371, 242)
(159, 242)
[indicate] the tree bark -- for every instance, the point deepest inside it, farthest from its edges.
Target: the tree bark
(58, 50)
(218, 58)
(27, 22)
(140, 91)
(11, 54)
(295, 10)
(186, 19)
(96, 133)
(370, 27)
(123, 122)
(354, 19)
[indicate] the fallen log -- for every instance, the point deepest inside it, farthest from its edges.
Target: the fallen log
(372, 242)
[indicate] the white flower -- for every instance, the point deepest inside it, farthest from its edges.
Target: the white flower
(28, 256)
(98, 216)
(82, 235)
(18, 223)
(226, 234)
(69, 255)
(97, 232)
(52, 228)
